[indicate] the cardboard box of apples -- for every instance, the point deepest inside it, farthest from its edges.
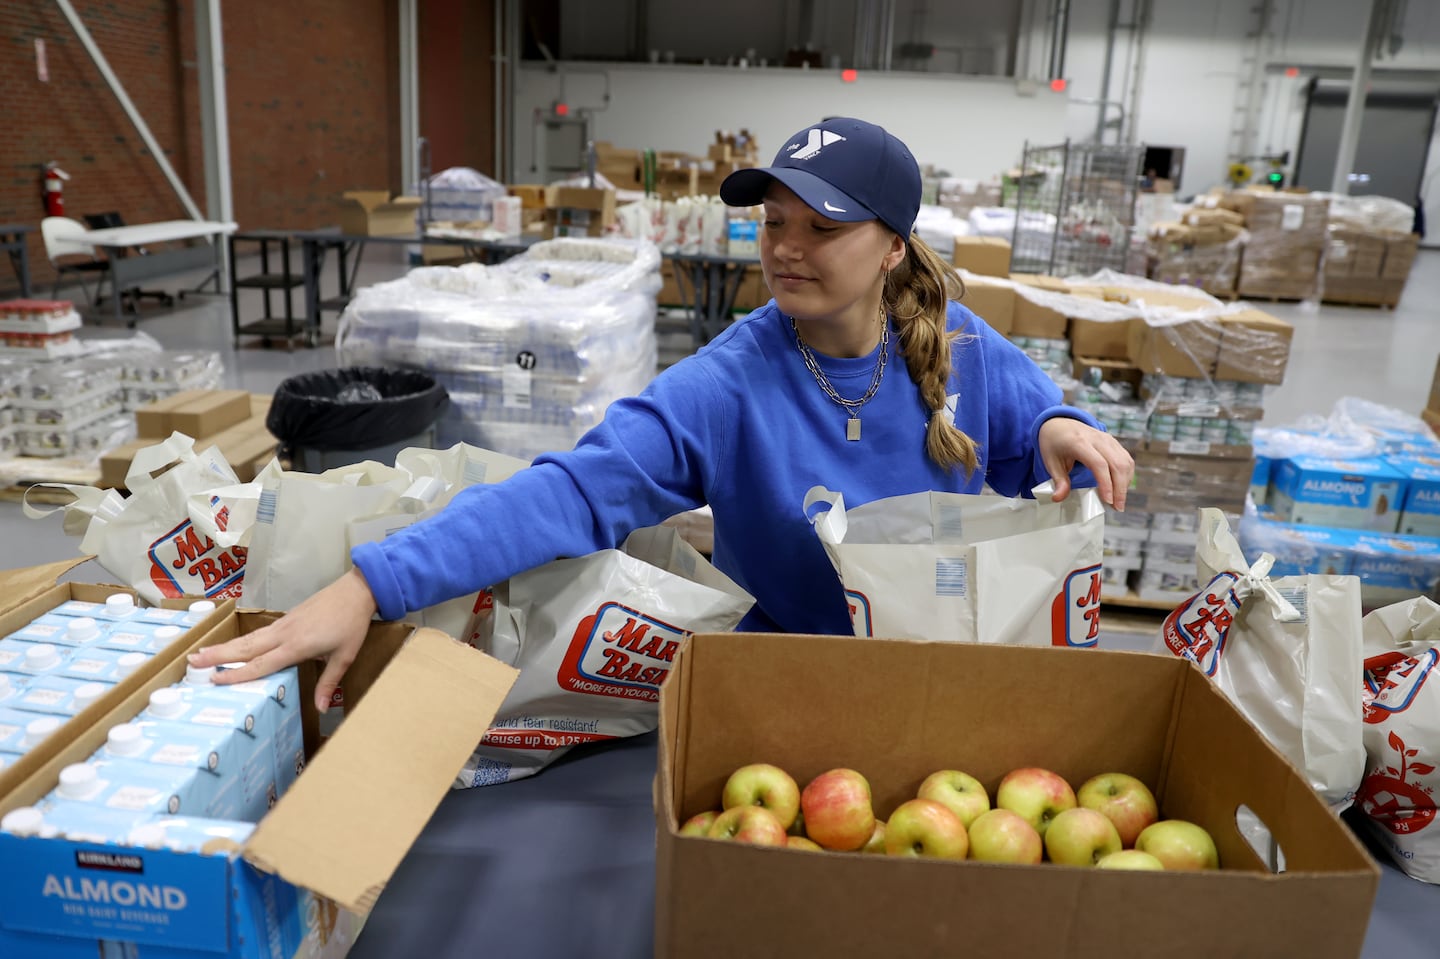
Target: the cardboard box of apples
(968, 754)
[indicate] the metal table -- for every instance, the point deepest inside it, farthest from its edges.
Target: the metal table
(714, 282)
(129, 271)
(13, 237)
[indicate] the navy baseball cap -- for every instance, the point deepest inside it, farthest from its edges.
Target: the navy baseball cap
(845, 169)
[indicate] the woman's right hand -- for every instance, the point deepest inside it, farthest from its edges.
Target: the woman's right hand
(330, 625)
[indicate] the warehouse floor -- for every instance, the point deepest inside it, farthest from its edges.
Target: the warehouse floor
(1387, 356)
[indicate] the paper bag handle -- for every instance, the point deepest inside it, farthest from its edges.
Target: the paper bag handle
(830, 524)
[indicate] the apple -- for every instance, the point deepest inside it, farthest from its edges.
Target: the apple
(700, 823)
(1179, 845)
(836, 806)
(1130, 859)
(1037, 795)
(800, 842)
(1124, 800)
(962, 794)
(750, 824)
(766, 786)
(925, 828)
(876, 842)
(1003, 836)
(797, 828)
(1081, 837)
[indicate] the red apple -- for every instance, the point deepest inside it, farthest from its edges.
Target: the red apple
(925, 828)
(1037, 795)
(1179, 845)
(836, 806)
(1130, 859)
(766, 786)
(1003, 836)
(876, 842)
(1124, 800)
(800, 842)
(1081, 837)
(750, 824)
(700, 823)
(962, 794)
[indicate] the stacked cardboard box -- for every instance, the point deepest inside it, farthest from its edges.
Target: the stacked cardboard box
(578, 211)
(233, 420)
(1287, 241)
(377, 213)
(1202, 250)
(1368, 267)
(985, 255)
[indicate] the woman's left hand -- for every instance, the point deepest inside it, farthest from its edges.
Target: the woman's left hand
(1065, 442)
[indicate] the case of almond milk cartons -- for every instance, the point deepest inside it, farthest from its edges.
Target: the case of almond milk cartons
(299, 884)
(1420, 512)
(1359, 493)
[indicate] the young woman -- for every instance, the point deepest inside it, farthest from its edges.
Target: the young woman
(863, 374)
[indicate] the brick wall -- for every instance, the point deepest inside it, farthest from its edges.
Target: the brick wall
(312, 95)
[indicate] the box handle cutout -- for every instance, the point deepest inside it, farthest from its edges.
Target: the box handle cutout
(1259, 838)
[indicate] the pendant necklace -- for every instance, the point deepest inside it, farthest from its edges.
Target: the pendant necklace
(852, 407)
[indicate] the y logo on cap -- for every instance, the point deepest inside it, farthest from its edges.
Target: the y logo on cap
(818, 139)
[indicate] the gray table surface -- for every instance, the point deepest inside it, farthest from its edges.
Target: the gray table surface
(563, 865)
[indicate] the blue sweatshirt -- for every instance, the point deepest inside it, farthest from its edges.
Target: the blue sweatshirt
(743, 426)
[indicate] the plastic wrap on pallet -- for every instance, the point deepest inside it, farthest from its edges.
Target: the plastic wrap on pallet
(1183, 261)
(1288, 237)
(531, 351)
(458, 194)
(1369, 213)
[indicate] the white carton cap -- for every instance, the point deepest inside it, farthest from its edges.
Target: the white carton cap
(130, 662)
(82, 630)
(199, 675)
(126, 739)
(79, 781)
(88, 693)
(41, 656)
(166, 703)
(198, 610)
(37, 729)
(25, 821)
(167, 633)
(119, 604)
(148, 836)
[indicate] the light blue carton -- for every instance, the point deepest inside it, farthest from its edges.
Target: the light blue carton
(131, 786)
(71, 631)
(1395, 568)
(99, 665)
(1420, 513)
(205, 705)
(18, 657)
(61, 818)
(1356, 493)
(59, 696)
(10, 686)
(117, 607)
(217, 753)
(282, 689)
(137, 636)
(22, 731)
(191, 834)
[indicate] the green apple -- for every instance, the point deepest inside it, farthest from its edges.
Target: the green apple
(1081, 837)
(925, 828)
(876, 843)
(1130, 859)
(836, 806)
(700, 823)
(961, 793)
(766, 786)
(1036, 795)
(1003, 836)
(749, 824)
(1179, 845)
(1124, 800)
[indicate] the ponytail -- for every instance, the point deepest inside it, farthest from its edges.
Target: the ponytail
(917, 295)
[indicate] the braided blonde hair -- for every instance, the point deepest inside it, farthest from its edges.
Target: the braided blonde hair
(916, 294)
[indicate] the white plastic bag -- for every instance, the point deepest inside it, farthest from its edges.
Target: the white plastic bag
(1402, 734)
(967, 568)
(593, 638)
(149, 540)
(1286, 651)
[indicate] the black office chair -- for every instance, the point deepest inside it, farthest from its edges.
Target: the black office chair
(132, 296)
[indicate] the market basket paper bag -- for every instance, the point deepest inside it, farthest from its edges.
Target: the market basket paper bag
(1402, 734)
(593, 638)
(966, 568)
(1286, 651)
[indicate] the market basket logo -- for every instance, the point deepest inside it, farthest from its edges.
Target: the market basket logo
(1393, 798)
(1075, 613)
(1391, 682)
(621, 652)
(183, 563)
(1199, 627)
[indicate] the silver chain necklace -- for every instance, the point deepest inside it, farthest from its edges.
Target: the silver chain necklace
(852, 407)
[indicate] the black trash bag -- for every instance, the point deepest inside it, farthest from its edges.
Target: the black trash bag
(356, 408)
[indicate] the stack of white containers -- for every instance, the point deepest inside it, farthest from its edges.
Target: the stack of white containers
(531, 351)
(70, 408)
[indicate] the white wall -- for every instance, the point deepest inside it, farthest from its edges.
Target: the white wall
(970, 126)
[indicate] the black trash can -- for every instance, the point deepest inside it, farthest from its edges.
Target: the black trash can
(333, 418)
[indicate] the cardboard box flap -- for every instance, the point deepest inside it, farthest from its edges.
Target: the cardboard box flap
(344, 826)
(19, 586)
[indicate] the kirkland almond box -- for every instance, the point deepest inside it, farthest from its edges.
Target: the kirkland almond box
(898, 710)
(1360, 493)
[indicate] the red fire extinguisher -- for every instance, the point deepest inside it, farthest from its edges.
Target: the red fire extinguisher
(54, 190)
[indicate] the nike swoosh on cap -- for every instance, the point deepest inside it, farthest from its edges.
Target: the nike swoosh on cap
(834, 209)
